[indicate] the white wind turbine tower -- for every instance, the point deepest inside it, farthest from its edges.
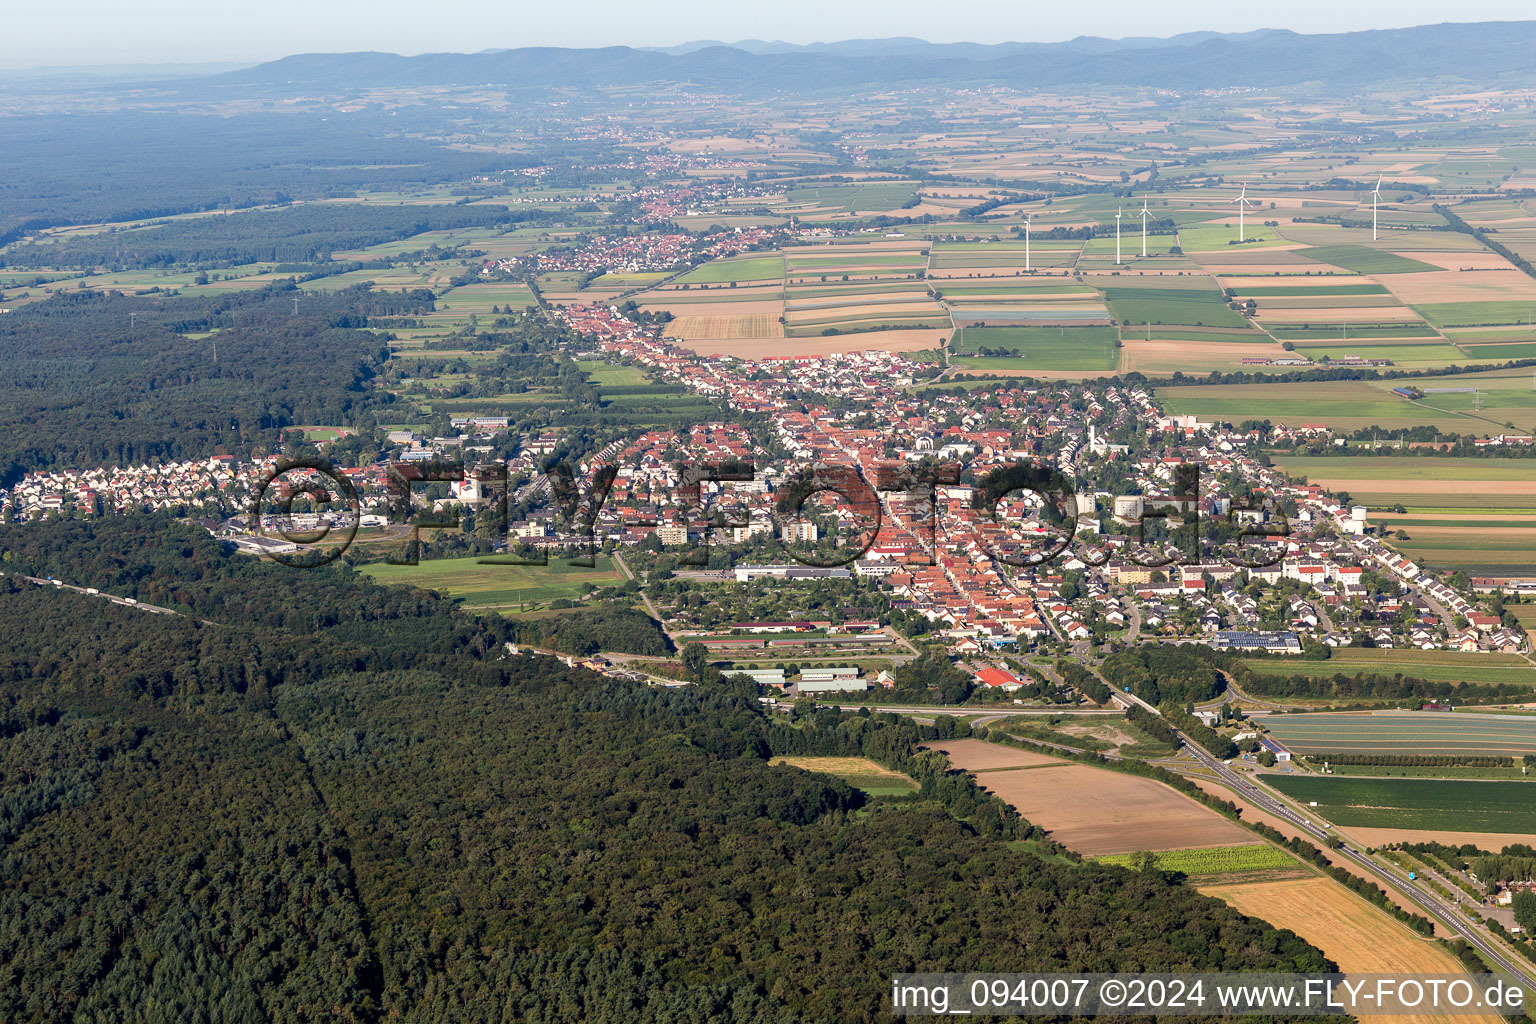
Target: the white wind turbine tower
(1118, 215)
(1144, 216)
(1242, 202)
(1375, 200)
(1026, 242)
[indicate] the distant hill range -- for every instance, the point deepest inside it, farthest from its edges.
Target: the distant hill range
(1483, 53)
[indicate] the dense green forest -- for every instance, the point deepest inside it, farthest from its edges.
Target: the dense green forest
(81, 168)
(336, 801)
(1165, 674)
(292, 234)
(102, 378)
(1343, 685)
(603, 627)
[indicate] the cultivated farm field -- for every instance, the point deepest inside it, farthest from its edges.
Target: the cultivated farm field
(1435, 666)
(1451, 805)
(1385, 479)
(1095, 811)
(1359, 937)
(980, 756)
(1506, 396)
(1216, 860)
(1406, 732)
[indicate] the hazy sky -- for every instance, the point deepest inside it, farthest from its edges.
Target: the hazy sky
(118, 32)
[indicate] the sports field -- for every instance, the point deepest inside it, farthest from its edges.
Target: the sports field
(1461, 806)
(1406, 732)
(498, 586)
(612, 375)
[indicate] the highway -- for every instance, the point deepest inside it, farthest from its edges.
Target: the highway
(126, 602)
(968, 709)
(1434, 907)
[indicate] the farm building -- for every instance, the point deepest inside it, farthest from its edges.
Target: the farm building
(1281, 754)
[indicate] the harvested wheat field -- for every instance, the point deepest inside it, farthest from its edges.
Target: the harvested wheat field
(751, 325)
(981, 756)
(680, 306)
(1473, 259)
(1359, 937)
(1505, 285)
(1242, 284)
(1096, 811)
(1493, 842)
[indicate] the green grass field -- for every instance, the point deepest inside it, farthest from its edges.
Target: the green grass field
(498, 586)
(1043, 348)
(751, 268)
(1406, 467)
(1365, 260)
(1351, 333)
(479, 298)
(1223, 237)
(1476, 314)
(1130, 244)
(1406, 732)
(1202, 307)
(609, 375)
(1435, 666)
(1460, 806)
(1506, 397)
(869, 197)
(1515, 350)
(1401, 355)
(1333, 402)
(1215, 860)
(1308, 290)
(841, 259)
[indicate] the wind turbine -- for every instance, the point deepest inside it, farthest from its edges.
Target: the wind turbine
(1242, 202)
(1144, 216)
(1375, 199)
(1026, 242)
(1118, 215)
